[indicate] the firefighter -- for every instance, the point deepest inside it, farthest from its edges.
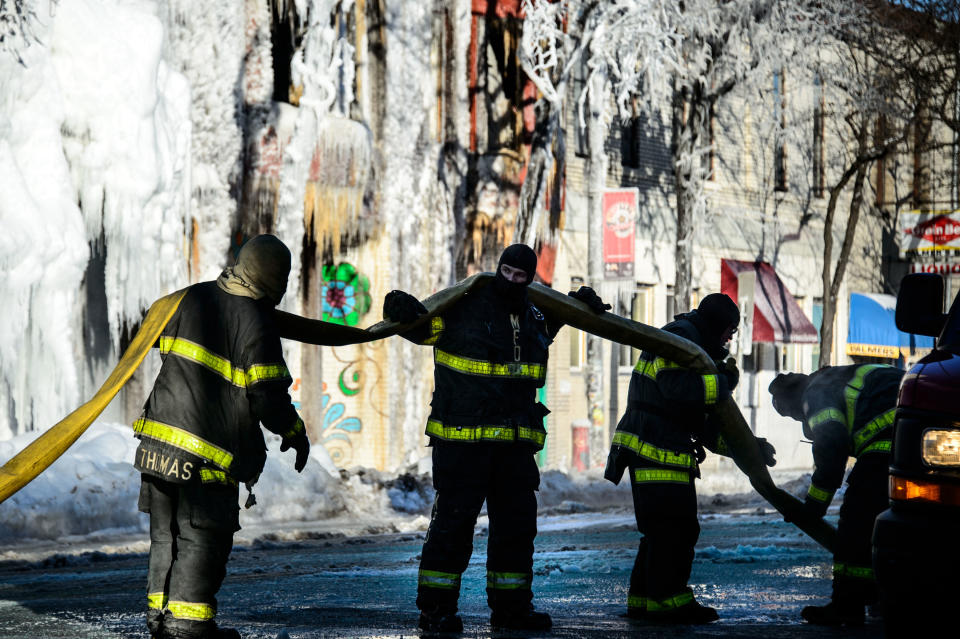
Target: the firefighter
(222, 375)
(660, 439)
(490, 357)
(845, 411)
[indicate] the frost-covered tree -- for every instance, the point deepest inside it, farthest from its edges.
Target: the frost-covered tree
(695, 52)
(887, 82)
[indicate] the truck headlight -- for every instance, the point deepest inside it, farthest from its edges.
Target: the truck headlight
(941, 447)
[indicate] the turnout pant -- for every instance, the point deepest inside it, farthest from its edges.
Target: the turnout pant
(464, 475)
(665, 504)
(866, 497)
(191, 534)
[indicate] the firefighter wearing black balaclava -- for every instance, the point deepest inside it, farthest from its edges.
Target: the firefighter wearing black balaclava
(222, 375)
(846, 411)
(485, 424)
(660, 439)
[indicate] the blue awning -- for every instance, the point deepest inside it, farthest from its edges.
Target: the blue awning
(873, 332)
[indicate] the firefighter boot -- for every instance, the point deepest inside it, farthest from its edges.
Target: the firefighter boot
(440, 620)
(834, 614)
(520, 619)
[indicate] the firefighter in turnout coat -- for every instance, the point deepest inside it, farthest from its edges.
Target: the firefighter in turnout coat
(222, 375)
(485, 424)
(660, 439)
(847, 411)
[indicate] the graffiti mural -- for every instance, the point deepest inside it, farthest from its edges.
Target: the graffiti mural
(345, 293)
(336, 429)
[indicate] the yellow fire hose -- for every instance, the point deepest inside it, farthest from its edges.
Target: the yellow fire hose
(43, 451)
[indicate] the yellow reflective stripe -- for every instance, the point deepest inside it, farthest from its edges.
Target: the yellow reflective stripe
(210, 476)
(436, 327)
(636, 602)
(157, 600)
(192, 611)
(710, 390)
(220, 365)
(198, 354)
(853, 388)
(179, 438)
(872, 428)
(651, 452)
(652, 368)
(468, 366)
(266, 372)
(857, 572)
(501, 433)
(437, 579)
(649, 475)
(879, 446)
(827, 415)
(295, 430)
(820, 494)
(509, 580)
(670, 603)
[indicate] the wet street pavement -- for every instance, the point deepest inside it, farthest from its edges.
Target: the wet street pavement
(755, 569)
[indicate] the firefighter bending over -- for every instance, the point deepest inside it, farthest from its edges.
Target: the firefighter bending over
(661, 438)
(223, 374)
(846, 411)
(490, 357)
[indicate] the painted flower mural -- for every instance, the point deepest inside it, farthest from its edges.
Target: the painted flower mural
(345, 293)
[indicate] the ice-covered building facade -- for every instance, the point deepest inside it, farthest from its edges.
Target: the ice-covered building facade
(143, 142)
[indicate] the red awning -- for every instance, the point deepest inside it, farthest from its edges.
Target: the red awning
(776, 315)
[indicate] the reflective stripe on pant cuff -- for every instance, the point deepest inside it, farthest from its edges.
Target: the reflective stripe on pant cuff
(841, 569)
(438, 579)
(509, 580)
(192, 611)
(670, 603)
(157, 600)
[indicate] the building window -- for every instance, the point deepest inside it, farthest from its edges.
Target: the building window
(640, 309)
(819, 153)
(780, 150)
(581, 144)
(921, 162)
(577, 340)
(669, 305)
(630, 142)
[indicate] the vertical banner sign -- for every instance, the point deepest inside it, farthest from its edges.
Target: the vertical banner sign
(621, 209)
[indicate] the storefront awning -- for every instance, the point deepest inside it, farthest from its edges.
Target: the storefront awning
(873, 332)
(776, 315)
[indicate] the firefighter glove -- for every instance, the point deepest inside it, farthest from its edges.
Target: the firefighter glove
(728, 368)
(768, 451)
(402, 307)
(301, 444)
(815, 508)
(589, 297)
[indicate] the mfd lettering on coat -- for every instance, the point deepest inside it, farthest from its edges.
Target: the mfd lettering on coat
(166, 465)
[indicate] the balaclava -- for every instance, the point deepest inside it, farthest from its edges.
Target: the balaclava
(262, 268)
(518, 256)
(717, 313)
(786, 390)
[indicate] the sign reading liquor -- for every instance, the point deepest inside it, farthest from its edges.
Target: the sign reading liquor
(621, 209)
(929, 231)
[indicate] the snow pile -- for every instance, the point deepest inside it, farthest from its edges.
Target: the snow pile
(94, 488)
